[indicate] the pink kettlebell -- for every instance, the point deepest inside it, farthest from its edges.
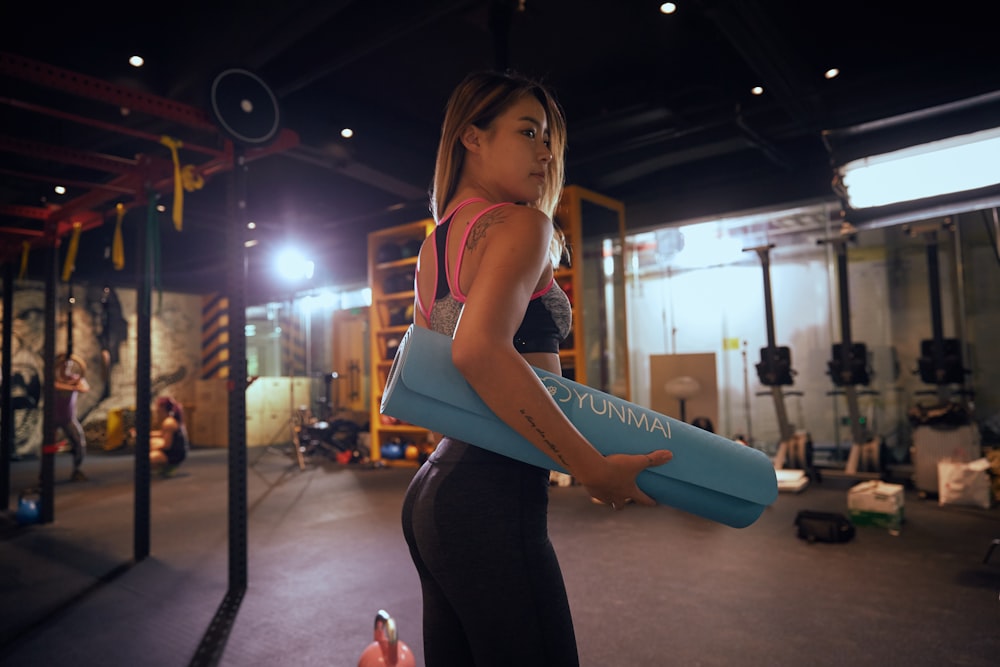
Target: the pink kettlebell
(386, 649)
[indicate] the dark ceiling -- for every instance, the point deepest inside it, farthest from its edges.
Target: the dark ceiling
(659, 108)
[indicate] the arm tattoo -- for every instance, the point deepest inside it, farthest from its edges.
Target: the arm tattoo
(478, 232)
(551, 445)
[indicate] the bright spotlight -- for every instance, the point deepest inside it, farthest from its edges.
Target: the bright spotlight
(292, 265)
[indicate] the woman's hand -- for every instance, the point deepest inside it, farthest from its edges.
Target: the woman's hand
(614, 483)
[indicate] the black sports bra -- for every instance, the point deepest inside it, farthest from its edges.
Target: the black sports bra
(547, 319)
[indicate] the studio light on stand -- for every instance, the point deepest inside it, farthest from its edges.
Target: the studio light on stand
(682, 388)
(293, 266)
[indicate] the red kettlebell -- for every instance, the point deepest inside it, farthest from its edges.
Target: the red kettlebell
(386, 649)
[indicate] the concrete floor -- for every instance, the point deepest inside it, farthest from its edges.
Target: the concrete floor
(647, 586)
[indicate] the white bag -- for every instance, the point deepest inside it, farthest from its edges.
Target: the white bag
(964, 483)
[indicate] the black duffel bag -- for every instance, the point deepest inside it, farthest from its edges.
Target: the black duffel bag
(814, 526)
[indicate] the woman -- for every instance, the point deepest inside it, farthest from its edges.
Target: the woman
(70, 383)
(168, 445)
(475, 521)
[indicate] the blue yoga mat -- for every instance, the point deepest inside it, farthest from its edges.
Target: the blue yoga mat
(709, 475)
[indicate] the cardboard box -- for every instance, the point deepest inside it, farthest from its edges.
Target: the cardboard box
(876, 503)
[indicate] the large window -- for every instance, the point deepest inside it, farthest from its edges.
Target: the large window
(699, 289)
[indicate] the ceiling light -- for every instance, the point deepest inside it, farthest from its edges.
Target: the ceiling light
(161, 208)
(251, 225)
(668, 8)
(136, 61)
(957, 164)
(757, 90)
(60, 190)
(831, 73)
(251, 243)
(347, 133)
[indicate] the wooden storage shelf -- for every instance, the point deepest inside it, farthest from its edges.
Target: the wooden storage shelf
(585, 218)
(397, 264)
(403, 428)
(391, 282)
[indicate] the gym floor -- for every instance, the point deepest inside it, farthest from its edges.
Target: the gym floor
(647, 586)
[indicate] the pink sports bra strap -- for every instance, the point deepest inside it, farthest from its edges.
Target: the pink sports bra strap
(426, 310)
(453, 278)
(545, 289)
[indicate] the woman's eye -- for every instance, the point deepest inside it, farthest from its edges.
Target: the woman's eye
(530, 134)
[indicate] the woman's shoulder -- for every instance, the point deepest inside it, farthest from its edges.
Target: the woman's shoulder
(507, 213)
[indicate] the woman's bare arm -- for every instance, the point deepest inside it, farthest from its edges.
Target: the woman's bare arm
(507, 258)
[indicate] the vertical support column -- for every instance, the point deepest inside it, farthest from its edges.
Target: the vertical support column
(47, 511)
(236, 284)
(143, 361)
(214, 336)
(6, 400)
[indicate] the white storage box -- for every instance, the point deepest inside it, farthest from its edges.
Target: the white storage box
(876, 503)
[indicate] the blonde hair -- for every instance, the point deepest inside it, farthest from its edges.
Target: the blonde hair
(478, 100)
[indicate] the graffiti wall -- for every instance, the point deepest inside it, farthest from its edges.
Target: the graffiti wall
(104, 337)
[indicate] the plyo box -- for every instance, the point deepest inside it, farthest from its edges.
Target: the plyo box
(876, 503)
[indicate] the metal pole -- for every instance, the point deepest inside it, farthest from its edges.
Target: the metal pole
(143, 360)
(47, 496)
(6, 401)
(236, 277)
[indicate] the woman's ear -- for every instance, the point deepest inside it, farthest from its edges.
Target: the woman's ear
(470, 138)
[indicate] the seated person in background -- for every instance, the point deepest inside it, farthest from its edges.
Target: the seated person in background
(168, 445)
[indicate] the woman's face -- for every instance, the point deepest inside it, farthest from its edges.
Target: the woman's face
(516, 151)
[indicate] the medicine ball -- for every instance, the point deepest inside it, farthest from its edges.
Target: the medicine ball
(388, 252)
(400, 315)
(392, 451)
(410, 248)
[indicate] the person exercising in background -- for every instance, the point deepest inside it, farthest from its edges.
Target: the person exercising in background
(69, 383)
(168, 445)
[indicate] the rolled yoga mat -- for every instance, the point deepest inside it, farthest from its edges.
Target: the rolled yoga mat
(709, 476)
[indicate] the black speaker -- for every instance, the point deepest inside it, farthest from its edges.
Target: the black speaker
(946, 368)
(855, 371)
(775, 367)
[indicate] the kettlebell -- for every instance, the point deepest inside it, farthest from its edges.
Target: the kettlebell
(27, 509)
(386, 649)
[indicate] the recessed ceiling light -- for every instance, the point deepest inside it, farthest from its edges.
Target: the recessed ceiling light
(60, 190)
(251, 225)
(757, 90)
(668, 8)
(136, 61)
(347, 133)
(250, 243)
(161, 208)
(831, 73)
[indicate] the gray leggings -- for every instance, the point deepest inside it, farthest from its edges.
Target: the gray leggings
(476, 525)
(77, 439)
